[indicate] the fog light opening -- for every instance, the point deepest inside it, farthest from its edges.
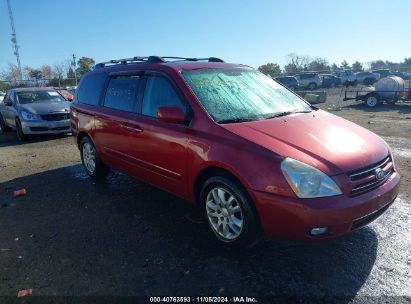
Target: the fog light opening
(318, 231)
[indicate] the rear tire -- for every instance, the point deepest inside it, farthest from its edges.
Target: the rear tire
(19, 130)
(91, 161)
(3, 127)
(372, 100)
(229, 213)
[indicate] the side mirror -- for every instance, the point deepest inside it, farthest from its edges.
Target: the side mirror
(8, 103)
(171, 114)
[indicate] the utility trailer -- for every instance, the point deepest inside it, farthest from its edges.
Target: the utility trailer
(389, 89)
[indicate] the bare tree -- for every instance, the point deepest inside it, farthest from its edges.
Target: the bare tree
(46, 71)
(11, 73)
(60, 70)
(296, 63)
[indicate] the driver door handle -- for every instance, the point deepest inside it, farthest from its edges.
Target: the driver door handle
(132, 127)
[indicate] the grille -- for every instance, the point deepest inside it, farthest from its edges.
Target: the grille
(38, 129)
(55, 117)
(60, 128)
(365, 179)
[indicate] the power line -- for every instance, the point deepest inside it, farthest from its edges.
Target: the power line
(14, 38)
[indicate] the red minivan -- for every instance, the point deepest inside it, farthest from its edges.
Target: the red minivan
(254, 156)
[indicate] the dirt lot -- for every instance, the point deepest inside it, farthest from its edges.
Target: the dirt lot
(71, 236)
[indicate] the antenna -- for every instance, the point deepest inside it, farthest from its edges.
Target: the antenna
(14, 39)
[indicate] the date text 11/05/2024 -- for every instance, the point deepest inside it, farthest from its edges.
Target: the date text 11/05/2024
(203, 300)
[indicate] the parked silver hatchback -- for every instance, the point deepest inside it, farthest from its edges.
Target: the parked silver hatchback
(34, 111)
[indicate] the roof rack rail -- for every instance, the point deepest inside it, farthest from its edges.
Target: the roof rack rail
(209, 59)
(152, 59)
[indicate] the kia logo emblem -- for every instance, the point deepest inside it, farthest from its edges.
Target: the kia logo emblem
(379, 174)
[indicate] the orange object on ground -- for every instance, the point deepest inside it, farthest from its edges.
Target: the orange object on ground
(20, 192)
(24, 293)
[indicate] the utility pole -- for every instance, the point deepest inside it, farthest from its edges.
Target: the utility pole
(14, 39)
(75, 67)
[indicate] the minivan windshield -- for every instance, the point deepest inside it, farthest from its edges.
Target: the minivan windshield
(239, 94)
(26, 97)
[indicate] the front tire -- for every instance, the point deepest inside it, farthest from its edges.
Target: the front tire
(229, 212)
(19, 131)
(91, 161)
(3, 127)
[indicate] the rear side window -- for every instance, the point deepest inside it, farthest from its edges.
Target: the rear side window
(122, 93)
(90, 88)
(159, 92)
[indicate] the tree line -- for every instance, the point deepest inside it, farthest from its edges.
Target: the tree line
(296, 64)
(62, 73)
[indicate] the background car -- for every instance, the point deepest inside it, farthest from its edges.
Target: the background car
(383, 72)
(71, 90)
(310, 81)
(2, 94)
(66, 94)
(367, 78)
(347, 77)
(403, 75)
(34, 111)
(407, 75)
(288, 81)
(330, 81)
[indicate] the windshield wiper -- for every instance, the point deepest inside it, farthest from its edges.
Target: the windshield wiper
(267, 116)
(233, 120)
(285, 113)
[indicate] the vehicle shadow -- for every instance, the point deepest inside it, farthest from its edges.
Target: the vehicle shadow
(123, 237)
(10, 138)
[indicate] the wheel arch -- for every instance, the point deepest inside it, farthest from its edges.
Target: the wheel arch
(219, 170)
(80, 136)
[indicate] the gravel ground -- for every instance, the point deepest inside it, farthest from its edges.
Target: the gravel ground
(71, 236)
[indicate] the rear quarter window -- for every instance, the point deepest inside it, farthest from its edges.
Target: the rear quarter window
(90, 88)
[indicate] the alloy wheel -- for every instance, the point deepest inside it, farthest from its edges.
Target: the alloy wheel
(89, 157)
(224, 213)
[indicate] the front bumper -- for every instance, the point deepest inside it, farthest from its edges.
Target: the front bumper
(46, 127)
(292, 218)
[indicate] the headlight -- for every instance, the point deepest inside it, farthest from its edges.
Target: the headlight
(29, 116)
(307, 181)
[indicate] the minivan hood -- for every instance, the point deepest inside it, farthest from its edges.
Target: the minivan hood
(320, 139)
(44, 108)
